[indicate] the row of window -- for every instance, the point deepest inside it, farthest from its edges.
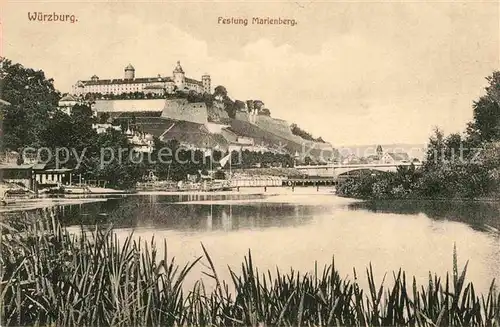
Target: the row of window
(129, 87)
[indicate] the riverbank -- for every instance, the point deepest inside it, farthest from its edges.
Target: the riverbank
(261, 190)
(418, 184)
(485, 199)
(40, 203)
(70, 199)
(104, 283)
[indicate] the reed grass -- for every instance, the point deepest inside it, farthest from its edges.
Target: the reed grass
(50, 277)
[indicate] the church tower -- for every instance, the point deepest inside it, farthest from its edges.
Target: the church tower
(205, 79)
(178, 76)
(129, 72)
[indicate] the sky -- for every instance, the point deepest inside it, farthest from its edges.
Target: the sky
(352, 72)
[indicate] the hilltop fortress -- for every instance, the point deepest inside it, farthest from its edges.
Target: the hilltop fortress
(194, 122)
(129, 83)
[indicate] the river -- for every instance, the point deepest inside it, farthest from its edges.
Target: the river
(287, 229)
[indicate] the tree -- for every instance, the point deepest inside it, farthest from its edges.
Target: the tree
(229, 107)
(118, 164)
(239, 105)
(454, 148)
(194, 96)
(74, 133)
(250, 105)
(220, 91)
(223, 101)
(33, 99)
(265, 112)
(104, 117)
(208, 99)
(435, 150)
(493, 88)
(486, 119)
(485, 125)
(296, 130)
(258, 105)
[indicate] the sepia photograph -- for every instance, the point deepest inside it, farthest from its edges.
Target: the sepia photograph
(250, 163)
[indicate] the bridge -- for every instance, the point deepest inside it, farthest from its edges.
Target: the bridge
(333, 171)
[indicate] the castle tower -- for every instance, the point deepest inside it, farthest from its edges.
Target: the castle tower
(129, 72)
(178, 76)
(205, 79)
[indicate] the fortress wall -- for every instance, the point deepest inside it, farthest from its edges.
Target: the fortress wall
(180, 109)
(216, 114)
(141, 105)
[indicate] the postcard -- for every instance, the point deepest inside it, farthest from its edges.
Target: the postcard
(262, 163)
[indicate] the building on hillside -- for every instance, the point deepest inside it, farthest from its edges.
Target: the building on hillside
(131, 83)
(102, 128)
(67, 103)
(156, 89)
(395, 158)
(141, 142)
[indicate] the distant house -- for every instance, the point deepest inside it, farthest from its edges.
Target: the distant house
(141, 142)
(373, 158)
(102, 128)
(351, 159)
(395, 158)
(33, 176)
(67, 103)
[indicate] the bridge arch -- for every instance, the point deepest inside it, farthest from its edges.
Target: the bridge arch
(359, 170)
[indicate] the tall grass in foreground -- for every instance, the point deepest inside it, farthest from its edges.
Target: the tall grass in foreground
(50, 277)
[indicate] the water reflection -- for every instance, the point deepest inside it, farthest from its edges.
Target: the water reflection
(294, 230)
(481, 216)
(164, 213)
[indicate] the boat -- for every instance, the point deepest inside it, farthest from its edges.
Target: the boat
(76, 189)
(167, 186)
(217, 185)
